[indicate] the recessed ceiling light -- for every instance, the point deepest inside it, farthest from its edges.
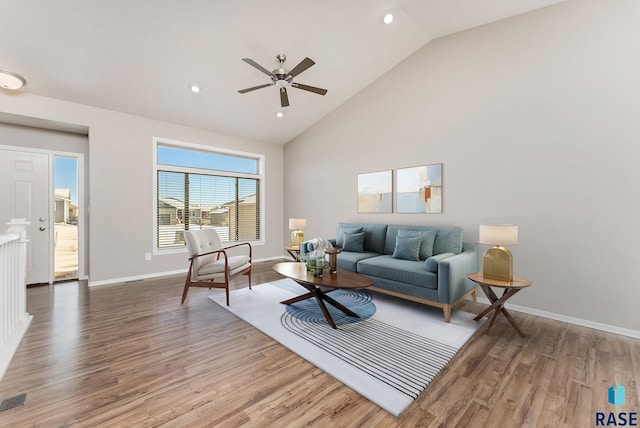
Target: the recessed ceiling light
(195, 88)
(387, 17)
(279, 114)
(11, 80)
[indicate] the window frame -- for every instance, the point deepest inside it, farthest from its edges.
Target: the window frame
(164, 142)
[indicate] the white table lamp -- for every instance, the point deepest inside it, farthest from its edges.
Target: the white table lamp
(297, 236)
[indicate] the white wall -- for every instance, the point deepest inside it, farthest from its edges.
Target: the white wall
(535, 119)
(121, 184)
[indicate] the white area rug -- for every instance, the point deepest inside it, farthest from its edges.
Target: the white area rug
(389, 355)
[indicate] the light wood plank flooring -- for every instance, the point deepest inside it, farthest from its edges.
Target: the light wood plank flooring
(131, 355)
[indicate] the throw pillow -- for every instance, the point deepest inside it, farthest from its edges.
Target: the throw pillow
(342, 231)
(431, 264)
(407, 248)
(353, 242)
(428, 238)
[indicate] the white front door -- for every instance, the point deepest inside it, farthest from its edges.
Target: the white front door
(25, 193)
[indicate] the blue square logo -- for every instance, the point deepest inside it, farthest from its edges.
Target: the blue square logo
(616, 395)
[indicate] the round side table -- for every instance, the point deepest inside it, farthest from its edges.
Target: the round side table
(333, 259)
(294, 252)
(497, 303)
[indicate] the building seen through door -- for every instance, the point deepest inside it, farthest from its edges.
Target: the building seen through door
(65, 218)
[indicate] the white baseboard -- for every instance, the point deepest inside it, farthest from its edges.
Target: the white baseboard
(11, 346)
(138, 278)
(571, 320)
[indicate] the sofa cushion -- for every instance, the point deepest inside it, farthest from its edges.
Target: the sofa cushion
(431, 264)
(448, 238)
(349, 260)
(428, 237)
(407, 271)
(374, 235)
(341, 231)
(407, 248)
(353, 242)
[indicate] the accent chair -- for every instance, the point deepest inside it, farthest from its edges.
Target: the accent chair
(209, 263)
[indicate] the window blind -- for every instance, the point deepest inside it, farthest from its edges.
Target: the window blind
(193, 200)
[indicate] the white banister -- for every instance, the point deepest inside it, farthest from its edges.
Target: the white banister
(14, 319)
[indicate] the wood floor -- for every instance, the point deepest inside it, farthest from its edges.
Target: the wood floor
(130, 355)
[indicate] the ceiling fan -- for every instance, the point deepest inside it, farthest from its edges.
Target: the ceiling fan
(282, 78)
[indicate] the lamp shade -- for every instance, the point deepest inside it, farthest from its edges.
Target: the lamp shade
(499, 234)
(297, 223)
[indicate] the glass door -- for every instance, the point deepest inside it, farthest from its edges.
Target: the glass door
(65, 182)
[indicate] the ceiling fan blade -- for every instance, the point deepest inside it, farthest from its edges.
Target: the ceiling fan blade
(284, 98)
(313, 89)
(304, 64)
(258, 66)
(244, 91)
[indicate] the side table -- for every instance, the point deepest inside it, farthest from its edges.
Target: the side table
(333, 259)
(294, 251)
(497, 303)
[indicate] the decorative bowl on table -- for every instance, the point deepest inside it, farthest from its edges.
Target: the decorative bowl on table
(316, 265)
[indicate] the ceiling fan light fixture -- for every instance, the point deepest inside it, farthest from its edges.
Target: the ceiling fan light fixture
(194, 88)
(387, 17)
(11, 80)
(282, 78)
(279, 115)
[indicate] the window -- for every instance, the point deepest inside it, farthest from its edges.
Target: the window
(199, 189)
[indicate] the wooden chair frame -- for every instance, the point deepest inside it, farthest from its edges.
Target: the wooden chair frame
(212, 283)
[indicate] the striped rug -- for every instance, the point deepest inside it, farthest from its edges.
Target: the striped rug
(389, 355)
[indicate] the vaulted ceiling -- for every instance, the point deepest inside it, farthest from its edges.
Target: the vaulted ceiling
(141, 56)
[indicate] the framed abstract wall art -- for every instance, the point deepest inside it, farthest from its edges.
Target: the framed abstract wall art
(375, 191)
(419, 189)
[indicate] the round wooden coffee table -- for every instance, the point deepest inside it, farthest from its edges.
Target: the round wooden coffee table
(320, 286)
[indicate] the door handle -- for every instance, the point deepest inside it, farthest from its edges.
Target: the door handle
(42, 228)
(42, 219)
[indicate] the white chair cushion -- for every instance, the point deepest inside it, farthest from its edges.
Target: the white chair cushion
(200, 241)
(217, 266)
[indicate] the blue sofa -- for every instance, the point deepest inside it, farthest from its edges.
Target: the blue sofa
(435, 275)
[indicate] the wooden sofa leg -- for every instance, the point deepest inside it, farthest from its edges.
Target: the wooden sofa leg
(447, 313)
